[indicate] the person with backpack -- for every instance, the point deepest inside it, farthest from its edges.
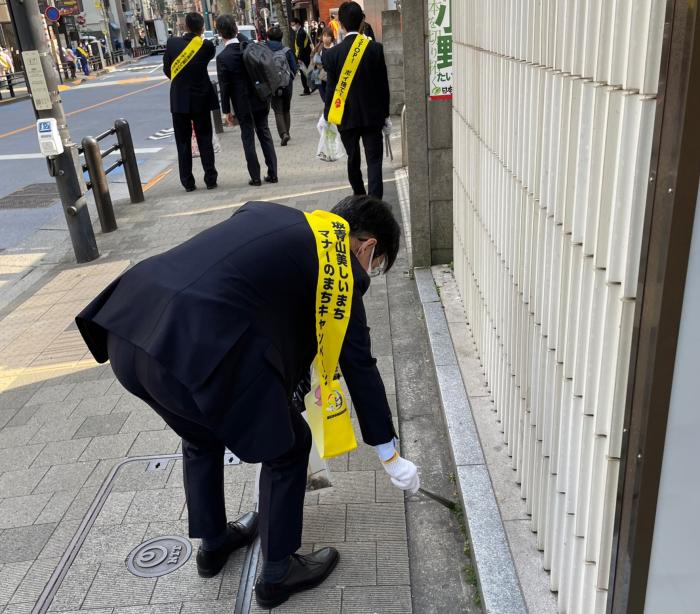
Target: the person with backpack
(249, 98)
(302, 51)
(282, 99)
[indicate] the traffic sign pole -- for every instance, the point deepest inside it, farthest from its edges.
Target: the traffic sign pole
(43, 85)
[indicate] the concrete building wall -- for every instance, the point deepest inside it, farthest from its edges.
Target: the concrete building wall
(553, 114)
(429, 144)
(392, 39)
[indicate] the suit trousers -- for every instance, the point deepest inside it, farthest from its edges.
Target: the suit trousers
(282, 480)
(372, 139)
(182, 124)
(304, 81)
(252, 124)
(282, 105)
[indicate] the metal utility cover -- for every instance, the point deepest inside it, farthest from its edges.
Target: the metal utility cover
(33, 196)
(159, 556)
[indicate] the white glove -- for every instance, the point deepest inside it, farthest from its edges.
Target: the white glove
(387, 126)
(403, 473)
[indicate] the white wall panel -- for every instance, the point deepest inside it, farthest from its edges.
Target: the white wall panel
(553, 116)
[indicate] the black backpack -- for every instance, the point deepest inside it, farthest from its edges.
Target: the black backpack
(259, 62)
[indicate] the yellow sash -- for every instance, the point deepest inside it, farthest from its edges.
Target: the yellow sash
(347, 74)
(330, 422)
(185, 56)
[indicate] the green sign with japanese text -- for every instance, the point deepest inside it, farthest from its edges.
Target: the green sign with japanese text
(440, 44)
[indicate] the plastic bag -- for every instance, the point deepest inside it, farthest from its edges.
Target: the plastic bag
(330, 146)
(216, 143)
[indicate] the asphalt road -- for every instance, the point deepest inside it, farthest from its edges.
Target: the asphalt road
(138, 93)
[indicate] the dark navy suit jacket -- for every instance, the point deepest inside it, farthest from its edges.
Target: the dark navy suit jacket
(191, 91)
(230, 314)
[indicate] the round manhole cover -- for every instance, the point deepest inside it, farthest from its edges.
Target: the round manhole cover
(159, 556)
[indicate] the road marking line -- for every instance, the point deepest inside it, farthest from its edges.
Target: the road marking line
(10, 375)
(344, 186)
(94, 106)
(156, 179)
(132, 81)
(38, 156)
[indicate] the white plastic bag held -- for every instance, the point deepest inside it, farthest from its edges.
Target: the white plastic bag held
(330, 146)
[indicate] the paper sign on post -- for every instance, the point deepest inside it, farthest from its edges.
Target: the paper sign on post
(440, 44)
(37, 81)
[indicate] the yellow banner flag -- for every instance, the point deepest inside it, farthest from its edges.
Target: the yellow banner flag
(347, 74)
(187, 54)
(329, 419)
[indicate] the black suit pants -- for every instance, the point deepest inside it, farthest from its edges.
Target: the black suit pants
(182, 124)
(282, 105)
(372, 139)
(252, 124)
(282, 480)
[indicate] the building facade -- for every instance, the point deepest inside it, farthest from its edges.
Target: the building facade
(571, 156)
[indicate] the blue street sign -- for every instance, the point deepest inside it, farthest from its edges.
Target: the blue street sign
(52, 13)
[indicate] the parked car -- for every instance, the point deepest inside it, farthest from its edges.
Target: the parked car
(209, 35)
(249, 32)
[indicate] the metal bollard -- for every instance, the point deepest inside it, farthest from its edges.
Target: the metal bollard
(131, 167)
(216, 114)
(98, 182)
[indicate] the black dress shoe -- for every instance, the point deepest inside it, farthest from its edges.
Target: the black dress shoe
(305, 94)
(212, 186)
(191, 188)
(240, 533)
(305, 572)
(255, 182)
(270, 179)
(285, 139)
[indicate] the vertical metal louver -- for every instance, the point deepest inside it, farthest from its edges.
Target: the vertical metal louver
(553, 117)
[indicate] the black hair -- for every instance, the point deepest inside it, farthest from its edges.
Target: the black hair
(226, 26)
(275, 33)
(367, 215)
(194, 23)
(350, 15)
(295, 20)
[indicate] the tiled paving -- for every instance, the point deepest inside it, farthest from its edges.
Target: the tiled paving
(65, 423)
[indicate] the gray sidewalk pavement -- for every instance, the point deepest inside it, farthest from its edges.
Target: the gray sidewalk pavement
(88, 472)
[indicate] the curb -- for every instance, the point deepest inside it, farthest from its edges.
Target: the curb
(498, 581)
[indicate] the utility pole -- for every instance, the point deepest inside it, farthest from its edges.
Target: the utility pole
(43, 85)
(207, 18)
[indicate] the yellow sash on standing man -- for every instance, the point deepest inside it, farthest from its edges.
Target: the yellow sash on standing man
(329, 421)
(347, 74)
(185, 56)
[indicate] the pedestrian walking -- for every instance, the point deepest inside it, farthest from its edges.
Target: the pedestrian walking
(302, 52)
(7, 67)
(238, 95)
(83, 54)
(192, 99)
(70, 60)
(335, 24)
(319, 74)
(282, 101)
(358, 103)
(225, 331)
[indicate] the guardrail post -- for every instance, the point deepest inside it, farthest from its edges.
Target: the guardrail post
(131, 167)
(9, 85)
(99, 184)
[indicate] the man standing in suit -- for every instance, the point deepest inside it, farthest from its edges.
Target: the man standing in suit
(302, 51)
(366, 102)
(224, 332)
(237, 91)
(192, 99)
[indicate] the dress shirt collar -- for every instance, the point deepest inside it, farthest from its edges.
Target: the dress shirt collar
(231, 41)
